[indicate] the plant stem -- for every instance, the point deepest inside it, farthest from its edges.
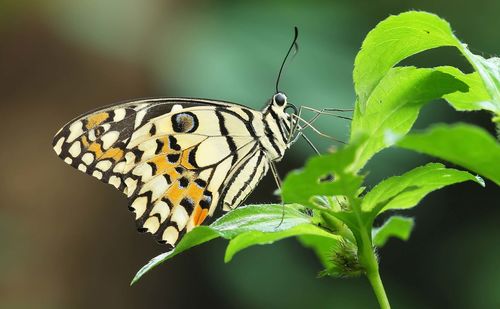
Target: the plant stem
(370, 263)
(378, 289)
(366, 253)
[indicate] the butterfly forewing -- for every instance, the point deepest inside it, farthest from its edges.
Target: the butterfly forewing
(181, 162)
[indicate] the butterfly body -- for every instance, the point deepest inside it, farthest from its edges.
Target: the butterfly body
(182, 162)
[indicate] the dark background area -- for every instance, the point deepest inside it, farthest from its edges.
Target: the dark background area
(68, 241)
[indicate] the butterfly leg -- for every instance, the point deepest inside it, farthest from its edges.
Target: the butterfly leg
(327, 111)
(278, 181)
(309, 123)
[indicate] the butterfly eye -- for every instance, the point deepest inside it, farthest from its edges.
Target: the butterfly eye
(280, 99)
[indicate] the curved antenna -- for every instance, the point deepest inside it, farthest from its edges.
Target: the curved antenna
(294, 44)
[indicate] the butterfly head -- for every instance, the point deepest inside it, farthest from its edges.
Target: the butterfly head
(280, 100)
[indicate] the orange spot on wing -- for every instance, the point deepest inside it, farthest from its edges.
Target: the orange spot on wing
(175, 194)
(185, 159)
(96, 120)
(85, 141)
(162, 165)
(194, 192)
(113, 153)
(199, 215)
(96, 149)
(166, 147)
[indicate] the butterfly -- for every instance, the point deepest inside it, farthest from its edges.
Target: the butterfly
(180, 161)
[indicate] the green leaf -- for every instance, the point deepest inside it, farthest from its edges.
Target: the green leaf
(395, 104)
(465, 145)
(245, 240)
(301, 185)
(396, 226)
(406, 191)
(261, 218)
(393, 40)
(489, 70)
(398, 37)
(197, 236)
(476, 98)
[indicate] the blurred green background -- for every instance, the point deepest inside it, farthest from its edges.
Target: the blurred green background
(68, 241)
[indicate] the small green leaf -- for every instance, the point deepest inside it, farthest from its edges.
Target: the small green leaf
(489, 70)
(395, 104)
(326, 175)
(245, 240)
(196, 237)
(476, 98)
(263, 218)
(393, 40)
(406, 191)
(465, 145)
(396, 226)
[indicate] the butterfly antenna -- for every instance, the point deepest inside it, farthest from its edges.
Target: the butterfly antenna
(294, 45)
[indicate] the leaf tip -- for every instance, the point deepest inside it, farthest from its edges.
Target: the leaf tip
(228, 256)
(136, 278)
(480, 181)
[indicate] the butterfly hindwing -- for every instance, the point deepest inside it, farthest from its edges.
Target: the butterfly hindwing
(179, 186)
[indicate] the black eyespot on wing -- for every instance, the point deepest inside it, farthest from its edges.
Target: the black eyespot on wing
(184, 122)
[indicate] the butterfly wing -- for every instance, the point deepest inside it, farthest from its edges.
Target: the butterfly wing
(181, 162)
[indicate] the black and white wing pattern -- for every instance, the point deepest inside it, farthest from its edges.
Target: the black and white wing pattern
(181, 162)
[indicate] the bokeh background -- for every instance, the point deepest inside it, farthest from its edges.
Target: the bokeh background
(68, 241)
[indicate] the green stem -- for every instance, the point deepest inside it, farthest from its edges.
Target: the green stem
(378, 289)
(366, 252)
(370, 263)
